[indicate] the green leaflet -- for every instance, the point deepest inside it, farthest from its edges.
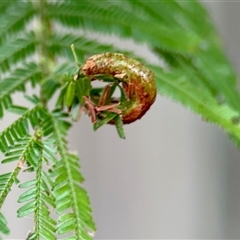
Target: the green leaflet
(3, 225)
(106, 118)
(83, 87)
(27, 184)
(119, 126)
(69, 95)
(18, 109)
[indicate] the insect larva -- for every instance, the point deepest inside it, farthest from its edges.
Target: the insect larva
(137, 81)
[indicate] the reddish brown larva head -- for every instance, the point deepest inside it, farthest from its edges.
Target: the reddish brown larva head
(138, 81)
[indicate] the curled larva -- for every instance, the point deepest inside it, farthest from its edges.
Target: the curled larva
(137, 81)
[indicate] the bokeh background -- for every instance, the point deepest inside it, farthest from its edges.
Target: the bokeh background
(174, 177)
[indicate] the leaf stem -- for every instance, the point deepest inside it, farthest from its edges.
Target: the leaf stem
(75, 55)
(12, 178)
(43, 33)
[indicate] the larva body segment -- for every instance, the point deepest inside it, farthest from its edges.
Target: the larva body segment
(137, 81)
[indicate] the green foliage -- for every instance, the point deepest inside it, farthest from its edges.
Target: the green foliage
(16, 82)
(39, 198)
(176, 86)
(196, 73)
(20, 15)
(72, 202)
(19, 130)
(3, 225)
(15, 50)
(98, 17)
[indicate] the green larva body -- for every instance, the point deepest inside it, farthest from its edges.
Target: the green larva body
(138, 81)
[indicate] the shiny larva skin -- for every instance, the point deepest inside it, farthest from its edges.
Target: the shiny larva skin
(135, 77)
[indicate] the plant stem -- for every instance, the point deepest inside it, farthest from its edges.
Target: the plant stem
(10, 182)
(75, 55)
(43, 34)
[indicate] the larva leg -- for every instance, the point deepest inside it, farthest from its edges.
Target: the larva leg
(109, 108)
(96, 110)
(104, 96)
(130, 90)
(91, 109)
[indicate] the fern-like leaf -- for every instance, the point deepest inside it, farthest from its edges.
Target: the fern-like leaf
(16, 81)
(6, 182)
(26, 151)
(3, 226)
(220, 75)
(83, 46)
(38, 199)
(113, 19)
(176, 86)
(184, 16)
(72, 202)
(20, 128)
(70, 195)
(15, 50)
(21, 13)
